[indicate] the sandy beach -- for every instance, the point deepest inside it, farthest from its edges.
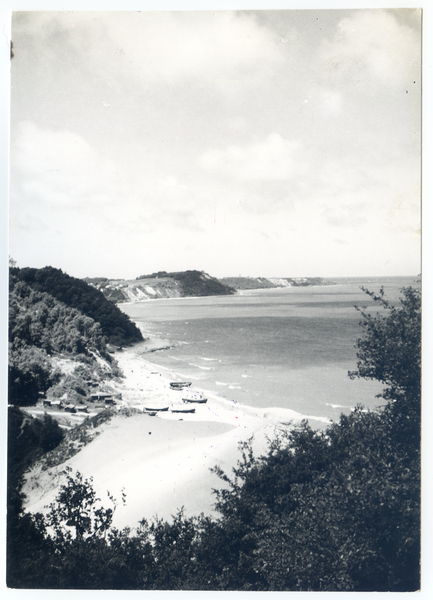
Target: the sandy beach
(161, 462)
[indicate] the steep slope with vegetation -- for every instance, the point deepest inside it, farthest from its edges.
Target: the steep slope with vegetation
(160, 285)
(194, 283)
(189, 283)
(76, 293)
(40, 329)
(43, 333)
(334, 510)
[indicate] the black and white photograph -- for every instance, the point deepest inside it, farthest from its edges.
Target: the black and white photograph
(214, 300)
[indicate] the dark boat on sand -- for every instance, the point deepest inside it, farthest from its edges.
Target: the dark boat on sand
(181, 409)
(179, 385)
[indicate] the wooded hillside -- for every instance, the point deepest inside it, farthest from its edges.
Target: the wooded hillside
(333, 510)
(41, 328)
(194, 283)
(76, 293)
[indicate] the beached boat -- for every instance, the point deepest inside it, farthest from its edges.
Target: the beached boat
(179, 385)
(155, 408)
(196, 397)
(182, 409)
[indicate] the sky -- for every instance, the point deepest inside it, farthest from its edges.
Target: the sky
(255, 143)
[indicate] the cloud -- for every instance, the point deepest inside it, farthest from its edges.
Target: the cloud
(208, 47)
(222, 129)
(60, 168)
(160, 48)
(271, 159)
(40, 150)
(372, 47)
(349, 216)
(62, 176)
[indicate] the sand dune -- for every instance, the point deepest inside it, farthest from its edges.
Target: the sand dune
(161, 462)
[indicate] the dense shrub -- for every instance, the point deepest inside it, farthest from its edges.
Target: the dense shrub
(41, 327)
(333, 510)
(76, 293)
(37, 319)
(30, 375)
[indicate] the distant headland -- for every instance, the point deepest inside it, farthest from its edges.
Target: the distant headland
(189, 284)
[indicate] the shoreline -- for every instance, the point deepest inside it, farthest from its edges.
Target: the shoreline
(162, 462)
(168, 374)
(153, 343)
(239, 292)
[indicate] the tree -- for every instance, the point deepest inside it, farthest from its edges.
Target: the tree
(339, 509)
(333, 510)
(29, 372)
(76, 293)
(28, 544)
(51, 434)
(89, 552)
(173, 549)
(75, 508)
(390, 352)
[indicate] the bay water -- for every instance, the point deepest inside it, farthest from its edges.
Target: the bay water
(283, 347)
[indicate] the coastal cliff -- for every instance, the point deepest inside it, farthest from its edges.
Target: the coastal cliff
(253, 283)
(160, 285)
(189, 284)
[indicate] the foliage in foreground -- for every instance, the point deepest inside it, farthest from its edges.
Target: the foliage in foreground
(326, 511)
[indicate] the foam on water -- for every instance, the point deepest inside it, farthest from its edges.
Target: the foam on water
(290, 348)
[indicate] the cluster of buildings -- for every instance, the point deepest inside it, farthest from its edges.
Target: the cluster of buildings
(105, 397)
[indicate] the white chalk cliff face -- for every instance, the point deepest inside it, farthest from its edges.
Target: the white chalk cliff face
(190, 283)
(137, 293)
(160, 285)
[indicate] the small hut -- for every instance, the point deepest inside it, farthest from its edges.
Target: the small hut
(100, 396)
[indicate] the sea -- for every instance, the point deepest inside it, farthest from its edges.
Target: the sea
(281, 347)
